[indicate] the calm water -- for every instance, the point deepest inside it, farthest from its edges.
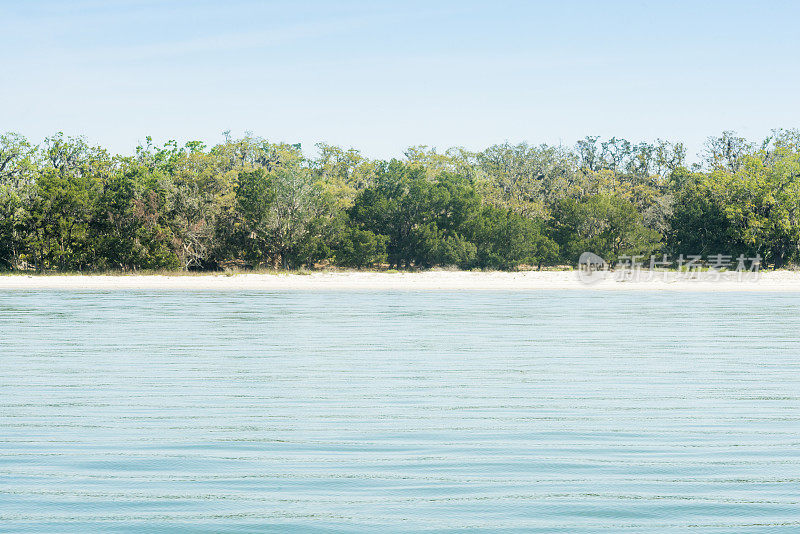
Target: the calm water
(399, 412)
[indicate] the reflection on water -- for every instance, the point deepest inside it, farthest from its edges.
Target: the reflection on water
(351, 412)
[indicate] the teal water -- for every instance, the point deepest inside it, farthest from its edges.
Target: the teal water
(360, 412)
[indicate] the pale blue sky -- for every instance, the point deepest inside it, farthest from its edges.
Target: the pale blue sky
(381, 76)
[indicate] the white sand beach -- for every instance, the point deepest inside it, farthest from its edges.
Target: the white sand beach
(780, 281)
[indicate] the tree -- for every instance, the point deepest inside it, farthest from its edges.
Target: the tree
(506, 240)
(128, 227)
(247, 202)
(60, 210)
(360, 248)
(606, 225)
(526, 178)
(422, 219)
(699, 224)
(198, 190)
(16, 183)
(753, 210)
(726, 152)
(285, 216)
(341, 173)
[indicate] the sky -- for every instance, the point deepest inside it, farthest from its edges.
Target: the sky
(383, 76)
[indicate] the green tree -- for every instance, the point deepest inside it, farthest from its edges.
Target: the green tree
(60, 211)
(422, 218)
(128, 227)
(506, 240)
(16, 184)
(360, 248)
(699, 224)
(606, 225)
(285, 216)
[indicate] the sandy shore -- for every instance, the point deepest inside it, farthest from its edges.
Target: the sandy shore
(781, 281)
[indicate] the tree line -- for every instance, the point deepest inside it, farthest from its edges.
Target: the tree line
(249, 203)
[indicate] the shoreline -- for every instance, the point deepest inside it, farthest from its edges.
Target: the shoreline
(772, 281)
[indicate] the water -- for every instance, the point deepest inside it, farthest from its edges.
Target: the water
(327, 412)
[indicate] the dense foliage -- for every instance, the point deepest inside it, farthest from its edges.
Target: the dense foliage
(248, 203)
